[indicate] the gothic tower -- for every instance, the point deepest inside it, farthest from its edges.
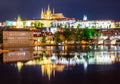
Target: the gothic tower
(49, 13)
(42, 14)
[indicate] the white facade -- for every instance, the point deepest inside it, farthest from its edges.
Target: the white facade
(102, 24)
(94, 24)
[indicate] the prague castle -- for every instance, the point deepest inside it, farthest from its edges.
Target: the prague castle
(49, 14)
(50, 19)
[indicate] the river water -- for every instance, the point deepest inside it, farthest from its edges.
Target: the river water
(60, 65)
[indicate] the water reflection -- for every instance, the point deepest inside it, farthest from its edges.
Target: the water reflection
(58, 58)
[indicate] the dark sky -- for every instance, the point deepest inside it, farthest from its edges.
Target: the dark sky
(28, 9)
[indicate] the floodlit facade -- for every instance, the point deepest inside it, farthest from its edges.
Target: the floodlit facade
(94, 24)
(48, 18)
(49, 14)
(17, 38)
(64, 23)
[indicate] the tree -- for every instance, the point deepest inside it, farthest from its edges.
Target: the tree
(97, 34)
(72, 35)
(67, 34)
(87, 34)
(24, 24)
(44, 39)
(57, 37)
(72, 26)
(39, 24)
(65, 26)
(36, 24)
(32, 24)
(78, 26)
(51, 24)
(42, 25)
(61, 25)
(75, 35)
(78, 35)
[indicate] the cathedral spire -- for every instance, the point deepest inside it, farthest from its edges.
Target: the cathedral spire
(48, 7)
(42, 13)
(49, 13)
(42, 10)
(19, 18)
(19, 22)
(53, 11)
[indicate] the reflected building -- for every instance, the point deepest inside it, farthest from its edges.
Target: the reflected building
(50, 64)
(49, 69)
(15, 56)
(106, 57)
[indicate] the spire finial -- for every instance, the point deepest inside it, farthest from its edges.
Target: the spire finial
(48, 7)
(53, 11)
(42, 13)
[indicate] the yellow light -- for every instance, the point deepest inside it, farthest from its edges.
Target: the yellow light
(19, 66)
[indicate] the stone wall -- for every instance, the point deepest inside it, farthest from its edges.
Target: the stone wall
(17, 38)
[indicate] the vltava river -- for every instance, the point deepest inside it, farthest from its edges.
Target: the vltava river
(60, 65)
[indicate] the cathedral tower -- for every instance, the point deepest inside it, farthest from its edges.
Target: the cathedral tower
(48, 14)
(42, 13)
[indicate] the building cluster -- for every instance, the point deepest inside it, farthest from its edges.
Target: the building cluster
(51, 22)
(49, 18)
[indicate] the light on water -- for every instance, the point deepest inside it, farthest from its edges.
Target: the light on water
(51, 62)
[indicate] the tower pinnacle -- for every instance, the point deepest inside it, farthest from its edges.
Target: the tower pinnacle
(53, 11)
(42, 13)
(48, 7)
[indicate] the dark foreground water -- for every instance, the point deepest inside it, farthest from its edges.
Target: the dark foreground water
(60, 65)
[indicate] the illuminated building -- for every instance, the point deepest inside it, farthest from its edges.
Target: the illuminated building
(17, 56)
(48, 14)
(98, 24)
(17, 38)
(47, 19)
(19, 23)
(50, 19)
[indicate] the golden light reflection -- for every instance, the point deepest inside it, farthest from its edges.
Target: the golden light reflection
(19, 66)
(66, 48)
(113, 58)
(83, 47)
(49, 69)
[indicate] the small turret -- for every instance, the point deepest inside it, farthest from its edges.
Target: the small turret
(48, 10)
(85, 17)
(42, 14)
(19, 18)
(19, 23)
(53, 11)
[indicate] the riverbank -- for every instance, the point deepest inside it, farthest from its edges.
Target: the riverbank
(3, 51)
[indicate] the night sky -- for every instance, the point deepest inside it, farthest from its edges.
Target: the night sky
(28, 9)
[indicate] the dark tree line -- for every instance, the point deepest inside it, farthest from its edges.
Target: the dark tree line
(75, 35)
